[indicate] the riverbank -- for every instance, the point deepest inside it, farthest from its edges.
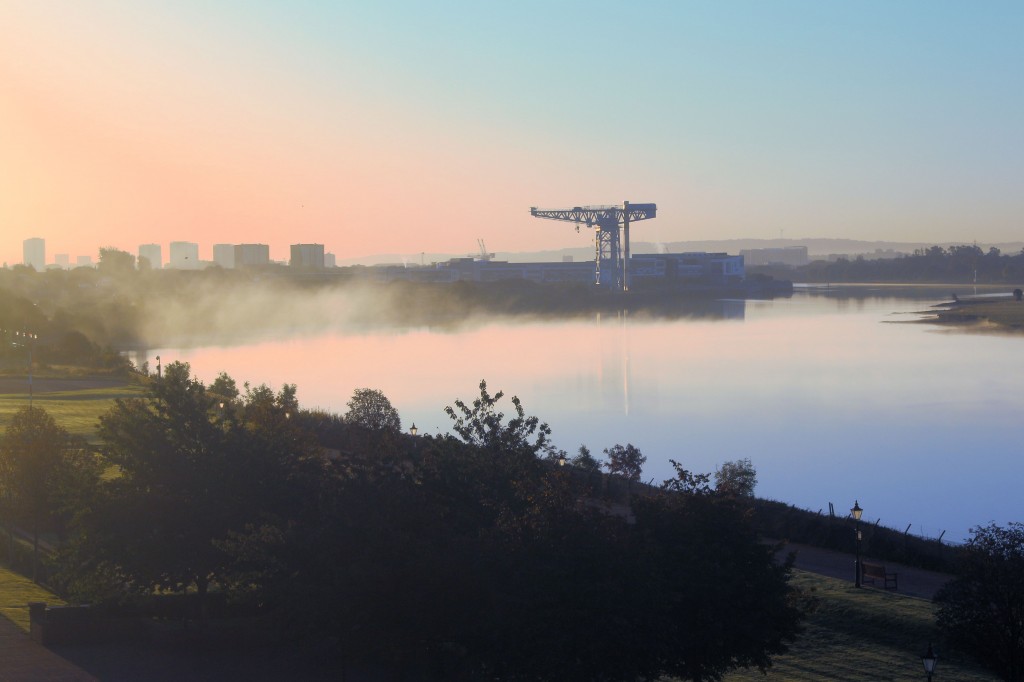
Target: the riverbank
(981, 315)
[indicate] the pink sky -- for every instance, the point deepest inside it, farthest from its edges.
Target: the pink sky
(404, 128)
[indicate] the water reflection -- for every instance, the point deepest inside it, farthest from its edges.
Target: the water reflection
(830, 405)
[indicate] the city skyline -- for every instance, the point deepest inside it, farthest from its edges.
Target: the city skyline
(406, 129)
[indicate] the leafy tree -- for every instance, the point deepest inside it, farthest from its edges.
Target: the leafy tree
(626, 461)
(371, 409)
(586, 461)
(712, 595)
(981, 611)
(115, 262)
(189, 478)
(484, 426)
(224, 386)
(43, 471)
(738, 478)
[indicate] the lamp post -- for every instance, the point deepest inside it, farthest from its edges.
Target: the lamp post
(929, 659)
(561, 459)
(413, 430)
(856, 512)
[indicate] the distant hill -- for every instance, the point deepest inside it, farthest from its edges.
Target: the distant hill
(816, 248)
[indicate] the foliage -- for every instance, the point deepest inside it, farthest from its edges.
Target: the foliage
(585, 461)
(626, 461)
(115, 262)
(982, 610)
(45, 474)
(460, 558)
(958, 263)
(482, 425)
(190, 475)
(737, 478)
(371, 409)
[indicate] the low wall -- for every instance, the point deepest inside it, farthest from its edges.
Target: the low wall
(50, 625)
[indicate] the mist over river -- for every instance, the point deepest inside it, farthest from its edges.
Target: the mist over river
(835, 395)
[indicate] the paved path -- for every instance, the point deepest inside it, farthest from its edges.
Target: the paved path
(913, 582)
(22, 660)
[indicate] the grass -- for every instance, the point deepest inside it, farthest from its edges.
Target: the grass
(863, 634)
(16, 592)
(77, 411)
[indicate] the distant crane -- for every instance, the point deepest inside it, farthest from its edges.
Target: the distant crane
(611, 257)
(484, 254)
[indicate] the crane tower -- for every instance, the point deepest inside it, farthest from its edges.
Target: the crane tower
(611, 237)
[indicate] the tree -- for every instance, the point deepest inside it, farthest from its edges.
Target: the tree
(371, 409)
(626, 461)
(115, 262)
(584, 460)
(738, 478)
(482, 425)
(190, 476)
(981, 611)
(43, 470)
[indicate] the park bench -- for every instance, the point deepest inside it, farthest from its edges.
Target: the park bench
(871, 572)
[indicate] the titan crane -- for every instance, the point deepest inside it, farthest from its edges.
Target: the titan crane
(611, 258)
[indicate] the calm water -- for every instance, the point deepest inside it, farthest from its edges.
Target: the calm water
(832, 399)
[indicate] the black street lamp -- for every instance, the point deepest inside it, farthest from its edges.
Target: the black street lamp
(929, 659)
(856, 512)
(413, 430)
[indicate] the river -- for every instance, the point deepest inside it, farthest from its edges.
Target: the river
(835, 395)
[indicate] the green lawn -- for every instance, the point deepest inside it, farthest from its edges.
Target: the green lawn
(16, 592)
(77, 411)
(864, 634)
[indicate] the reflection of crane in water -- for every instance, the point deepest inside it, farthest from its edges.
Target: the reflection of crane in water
(611, 251)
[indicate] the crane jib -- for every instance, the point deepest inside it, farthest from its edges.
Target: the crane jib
(611, 258)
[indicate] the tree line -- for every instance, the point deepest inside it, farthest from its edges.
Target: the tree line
(955, 264)
(486, 554)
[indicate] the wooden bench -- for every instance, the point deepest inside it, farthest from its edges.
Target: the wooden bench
(871, 572)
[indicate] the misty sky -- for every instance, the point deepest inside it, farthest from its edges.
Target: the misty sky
(403, 127)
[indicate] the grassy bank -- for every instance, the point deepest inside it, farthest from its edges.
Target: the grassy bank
(16, 591)
(77, 411)
(863, 635)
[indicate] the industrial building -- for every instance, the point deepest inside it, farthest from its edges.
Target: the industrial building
(34, 253)
(184, 256)
(704, 268)
(224, 255)
(307, 256)
(251, 255)
(153, 253)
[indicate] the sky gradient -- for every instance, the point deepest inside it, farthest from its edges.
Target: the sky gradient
(402, 127)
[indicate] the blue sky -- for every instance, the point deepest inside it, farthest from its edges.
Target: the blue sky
(409, 127)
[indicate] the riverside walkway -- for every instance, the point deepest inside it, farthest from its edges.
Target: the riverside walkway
(913, 582)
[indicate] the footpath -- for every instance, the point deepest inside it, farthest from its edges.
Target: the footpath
(22, 660)
(913, 582)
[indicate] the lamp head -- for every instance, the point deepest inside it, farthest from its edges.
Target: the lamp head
(929, 659)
